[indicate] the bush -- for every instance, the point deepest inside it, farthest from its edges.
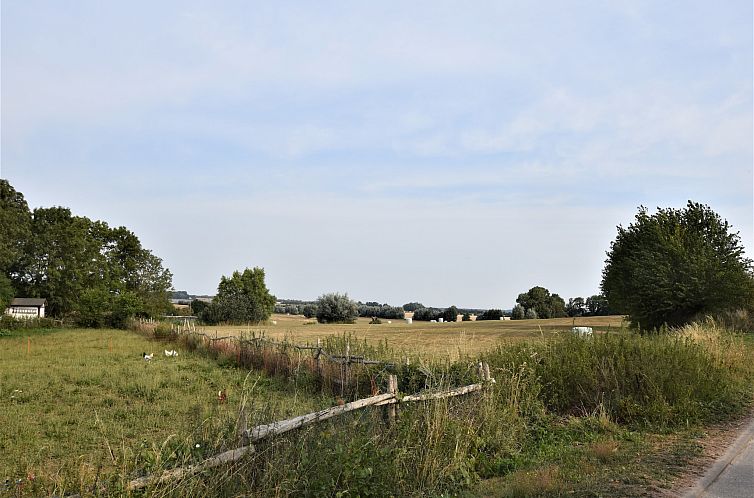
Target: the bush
(518, 312)
(309, 311)
(426, 314)
(336, 308)
(677, 265)
(530, 314)
(243, 298)
(450, 314)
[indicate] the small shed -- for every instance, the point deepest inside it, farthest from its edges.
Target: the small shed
(27, 307)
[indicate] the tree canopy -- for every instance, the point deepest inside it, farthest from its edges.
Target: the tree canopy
(544, 304)
(85, 269)
(243, 298)
(677, 264)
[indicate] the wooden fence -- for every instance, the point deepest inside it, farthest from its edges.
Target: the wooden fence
(258, 433)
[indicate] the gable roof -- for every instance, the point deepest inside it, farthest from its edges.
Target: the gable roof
(29, 301)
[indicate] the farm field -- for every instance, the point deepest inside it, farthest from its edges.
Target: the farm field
(439, 339)
(81, 405)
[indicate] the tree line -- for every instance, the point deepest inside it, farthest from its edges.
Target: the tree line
(89, 273)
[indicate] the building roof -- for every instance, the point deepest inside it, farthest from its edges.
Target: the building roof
(29, 301)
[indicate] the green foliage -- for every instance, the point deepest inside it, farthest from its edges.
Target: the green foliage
(450, 314)
(15, 227)
(198, 307)
(675, 265)
(93, 307)
(6, 292)
(661, 381)
(243, 298)
(309, 311)
(540, 300)
(336, 308)
(380, 311)
(466, 317)
(426, 314)
(531, 314)
(54, 254)
(518, 312)
(412, 306)
(491, 314)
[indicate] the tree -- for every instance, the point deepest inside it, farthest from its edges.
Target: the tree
(336, 308)
(466, 317)
(576, 306)
(309, 311)
(412, 306)
(545, 304)
(450, 314)
(675, 265)
(597, 305)
(6, 292)
(492, 314)
(518, 312)
(244, 297)
(15, 227)
(426, 314)
(531, 314)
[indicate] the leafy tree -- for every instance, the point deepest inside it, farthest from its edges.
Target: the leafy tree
(15, 227)
(545, 304)
(450, 314)
(426, 314)
(244, 297)
(309, 311)
(466, 317)
(597, 305)
(6, 292)
(412, 306)
(531, 314)
(576, 307)
(518, 312)
(675, 265)
(336, 308)
(492, 314)
(198, 307)
(93, 307)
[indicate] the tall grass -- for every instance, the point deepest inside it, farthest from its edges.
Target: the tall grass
(696, 374)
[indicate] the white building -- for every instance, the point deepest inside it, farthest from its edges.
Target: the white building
(27, 307)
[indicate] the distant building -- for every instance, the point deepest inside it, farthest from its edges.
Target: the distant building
(27, 307)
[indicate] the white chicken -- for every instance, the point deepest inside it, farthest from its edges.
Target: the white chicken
(171, 352)
(147, 357)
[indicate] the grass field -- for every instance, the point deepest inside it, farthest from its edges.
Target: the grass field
(78, 403)
(431, 338)
(84, 413)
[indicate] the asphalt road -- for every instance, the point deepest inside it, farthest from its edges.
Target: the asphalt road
(732, 475)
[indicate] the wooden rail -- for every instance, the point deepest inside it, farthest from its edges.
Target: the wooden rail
(264, 431)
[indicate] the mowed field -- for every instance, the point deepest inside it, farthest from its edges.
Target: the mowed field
(422, 337)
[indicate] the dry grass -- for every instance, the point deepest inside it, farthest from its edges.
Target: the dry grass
(441, 339)
(545, 481)
(604, 451)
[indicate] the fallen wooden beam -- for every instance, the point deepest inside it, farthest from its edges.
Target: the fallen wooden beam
(169, 475)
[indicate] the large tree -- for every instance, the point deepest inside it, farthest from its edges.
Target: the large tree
(15, 227)
(244, 297)
(675, 265)
(544, 304)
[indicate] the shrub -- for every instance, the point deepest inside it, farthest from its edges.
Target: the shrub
(518, 312)
(336, 308)
(309, 311)
(426, 314)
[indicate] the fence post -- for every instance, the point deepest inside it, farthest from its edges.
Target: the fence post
(487, 376)
(392, 388)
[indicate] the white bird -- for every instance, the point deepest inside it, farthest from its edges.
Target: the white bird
(172, 352)
(147, 357)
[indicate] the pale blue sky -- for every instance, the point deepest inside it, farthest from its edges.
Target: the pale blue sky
(448, 152)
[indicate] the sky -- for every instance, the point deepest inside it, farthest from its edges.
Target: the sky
(442, 152)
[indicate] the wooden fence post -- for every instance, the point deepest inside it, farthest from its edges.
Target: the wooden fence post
(392, 388)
